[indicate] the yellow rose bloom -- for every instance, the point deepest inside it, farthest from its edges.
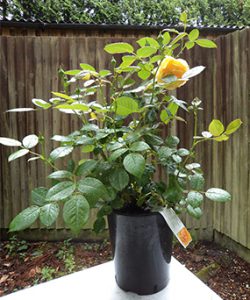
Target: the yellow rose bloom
(172, 66)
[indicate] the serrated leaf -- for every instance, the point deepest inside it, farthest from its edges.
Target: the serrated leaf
(177, 158)
(194, 199)
(18, 154)
(117, 154)
(193, 72)
(168, 114)
(10, 142)
(76, 212)
(216, 128)
(41, 103)
(61, 138)
(104, 73)
(193, 35)
(30, 141)
(24, 219)
(88, 148)
(86, 168)
(127, 61)
(60, 174)
(145, 51)
(218, 195)
(63, 96)
(60, 191)
(206, 43)
(178, 38)
(166, 38)
(38, 196)
(144, 74)
(233, 126)
(197, 182)
(92, 188)
(49, 213)
(134, 164)
(119, 179)
(139, 146)
(119, 48)
(61, 152)
(126, 106)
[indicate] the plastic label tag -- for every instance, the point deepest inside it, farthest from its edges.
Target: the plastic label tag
(175, 224)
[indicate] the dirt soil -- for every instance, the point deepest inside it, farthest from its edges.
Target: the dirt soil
(24, 264)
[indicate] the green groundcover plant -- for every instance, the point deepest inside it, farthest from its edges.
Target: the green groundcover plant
(123, 134)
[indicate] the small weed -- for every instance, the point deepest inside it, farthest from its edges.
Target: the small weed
(47, 273)
(16, 246)
(66, 254)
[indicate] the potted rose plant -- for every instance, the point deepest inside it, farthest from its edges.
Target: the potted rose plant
(123, 134)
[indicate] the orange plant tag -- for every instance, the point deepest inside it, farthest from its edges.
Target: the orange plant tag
(175, 224)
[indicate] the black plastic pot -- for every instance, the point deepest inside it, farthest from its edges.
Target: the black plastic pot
(142, 248)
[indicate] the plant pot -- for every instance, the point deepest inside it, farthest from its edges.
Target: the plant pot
(142, 247)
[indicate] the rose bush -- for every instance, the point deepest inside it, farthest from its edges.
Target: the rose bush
(123, 132)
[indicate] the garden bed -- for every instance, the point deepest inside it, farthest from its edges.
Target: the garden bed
(24, 264)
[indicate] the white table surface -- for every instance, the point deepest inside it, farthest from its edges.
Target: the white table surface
(98, 283)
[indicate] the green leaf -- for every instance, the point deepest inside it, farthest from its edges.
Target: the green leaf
(183, 17)
(193, 35)
(193, 72)
(216, 128)
(197, 182)
(104, 73)
(87, 67)
(194, 199)
(119, 48)
(178, 37)
(60, 174)
(76, 212)
(206, 43)
(99, 225)
(49, 213)
(168, 114)
(60, 191)
(172, 141)
(221, 138)
(126, 106)
(92, 188)
(145, 51)
(189, 45)
(153, 140)
(61, 152)
(194, 212)
(183, 152)
(18, 154)
(218, 195)
(63, 96)
(38, 196)
(134, 164)
(88, 148)
(119, 179)
(24, 219)
(30, 141)
(127, 60)
(233, 126)
(148, 41)
(77, 106)
(144, 74)
(61, 138)
(41, 103)
(10, 142)
(166, 38)
(117, 154)
(72, 72)
(177, 158)
(139, 146)
(86, 168)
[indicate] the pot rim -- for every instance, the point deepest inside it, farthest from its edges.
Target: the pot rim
(136, 214)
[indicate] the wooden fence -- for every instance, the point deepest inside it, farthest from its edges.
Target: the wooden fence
(29, 67)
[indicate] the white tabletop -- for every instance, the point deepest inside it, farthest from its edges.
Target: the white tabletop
(98, 283)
